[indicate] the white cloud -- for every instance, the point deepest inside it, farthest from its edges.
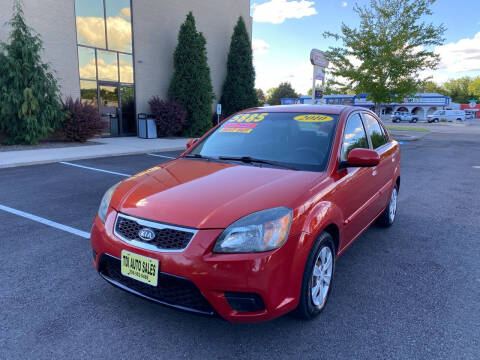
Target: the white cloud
(91, 31)
(463, 55)
(344, 4)
(277, 11)
(260, 47)
(299, 75)
(126, 13)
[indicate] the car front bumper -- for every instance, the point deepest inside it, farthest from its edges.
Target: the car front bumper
(203, 282)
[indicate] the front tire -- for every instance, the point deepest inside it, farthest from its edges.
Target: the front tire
(317, 278)
(388, 216)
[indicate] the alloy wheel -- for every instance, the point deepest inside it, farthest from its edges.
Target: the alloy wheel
(321, 276)
(392, 206)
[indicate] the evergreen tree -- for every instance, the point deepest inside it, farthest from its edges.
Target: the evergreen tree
(191, 85)
(29, 94)
(239, 88)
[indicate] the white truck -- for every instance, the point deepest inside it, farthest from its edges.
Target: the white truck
(446, 115)
(399, 116)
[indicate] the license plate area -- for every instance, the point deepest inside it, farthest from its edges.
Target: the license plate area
(140, 268)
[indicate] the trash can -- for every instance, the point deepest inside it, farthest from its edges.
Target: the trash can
(114, 131)
(147, 129)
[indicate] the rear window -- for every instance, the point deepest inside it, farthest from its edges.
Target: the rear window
(300, 140)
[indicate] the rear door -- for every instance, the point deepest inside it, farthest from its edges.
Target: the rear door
(382, 174)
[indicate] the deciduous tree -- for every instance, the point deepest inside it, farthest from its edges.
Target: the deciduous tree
(284, 90)
(385, 53)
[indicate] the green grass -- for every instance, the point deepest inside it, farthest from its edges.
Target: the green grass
(407, 128)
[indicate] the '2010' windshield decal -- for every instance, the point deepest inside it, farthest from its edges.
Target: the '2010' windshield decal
(313, 118)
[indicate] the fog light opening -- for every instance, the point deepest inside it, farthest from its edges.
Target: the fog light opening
(245, 302)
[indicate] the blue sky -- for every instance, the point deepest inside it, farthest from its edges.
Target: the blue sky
(284, 32)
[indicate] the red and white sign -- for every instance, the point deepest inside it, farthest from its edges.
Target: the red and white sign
(318, 58)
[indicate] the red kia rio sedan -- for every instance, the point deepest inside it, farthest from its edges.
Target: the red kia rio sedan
(249, 221)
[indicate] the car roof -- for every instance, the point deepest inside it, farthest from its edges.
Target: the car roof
(324, 109)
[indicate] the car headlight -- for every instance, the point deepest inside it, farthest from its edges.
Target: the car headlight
(105, 203)
(261, 231)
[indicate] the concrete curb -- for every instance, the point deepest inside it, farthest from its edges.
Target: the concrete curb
(84, 157)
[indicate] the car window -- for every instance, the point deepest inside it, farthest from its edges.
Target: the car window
(354, 136)
(300, 140)
(374, 131)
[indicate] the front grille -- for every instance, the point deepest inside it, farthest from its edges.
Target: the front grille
(167, 237)
(171, 290)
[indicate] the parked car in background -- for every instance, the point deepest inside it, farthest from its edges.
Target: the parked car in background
(446, 115)
(249, 221)
(399, 116)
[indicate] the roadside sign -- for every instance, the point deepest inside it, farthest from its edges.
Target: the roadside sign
(219, 109)
(317, 58)
(318, 73)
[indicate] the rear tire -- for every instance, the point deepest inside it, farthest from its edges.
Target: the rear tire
(435, 120)
(414, 120)
(317, 278)
(389, 214)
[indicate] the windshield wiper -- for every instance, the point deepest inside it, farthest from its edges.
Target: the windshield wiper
(249, 159)
(198, 156)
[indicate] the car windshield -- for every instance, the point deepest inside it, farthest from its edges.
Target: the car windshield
(300, 141)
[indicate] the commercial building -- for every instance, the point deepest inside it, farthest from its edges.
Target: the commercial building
(119, 53)
(420, 105)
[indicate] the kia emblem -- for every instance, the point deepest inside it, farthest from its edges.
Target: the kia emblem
(146, 234)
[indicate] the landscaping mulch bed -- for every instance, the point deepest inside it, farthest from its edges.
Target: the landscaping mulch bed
(46, 144)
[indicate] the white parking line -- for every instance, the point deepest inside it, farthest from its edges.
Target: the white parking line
(46, 222)
(95, 169)
(162, 156)
(476, 167)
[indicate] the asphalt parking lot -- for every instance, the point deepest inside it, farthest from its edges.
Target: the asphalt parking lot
(408, 292)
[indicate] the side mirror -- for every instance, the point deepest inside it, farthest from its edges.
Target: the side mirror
(363, 158)
(191, 142)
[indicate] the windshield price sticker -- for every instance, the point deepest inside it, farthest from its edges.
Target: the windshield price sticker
(248, 118)
(313, 118)
(244, 128)
(236, 130)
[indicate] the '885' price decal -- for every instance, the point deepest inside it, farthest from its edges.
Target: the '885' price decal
(248, 118)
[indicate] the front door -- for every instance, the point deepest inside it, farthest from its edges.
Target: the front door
(117, 108)
(355, 181)
(109, 108)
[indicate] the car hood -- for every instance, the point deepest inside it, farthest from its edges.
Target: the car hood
(206, 194)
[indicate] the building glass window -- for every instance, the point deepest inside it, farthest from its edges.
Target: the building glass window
(87, 65)
(105, 60)
(107, 65)
(119, 25)
(126, 68)
(90, 23)
(88, 91)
